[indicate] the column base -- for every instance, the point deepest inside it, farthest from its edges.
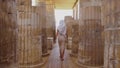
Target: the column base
(45, 54)
(32, 66)
(50, 43)
(85, 66)
(69, 43)
(5, 65)
(68, 47)
(73, 55)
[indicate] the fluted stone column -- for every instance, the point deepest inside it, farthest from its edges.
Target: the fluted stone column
(44, 34)
(69, 21)
(29, 35)
(111, 19)
(8, 34)
(91, 47)
(50, 23)
(75, 38)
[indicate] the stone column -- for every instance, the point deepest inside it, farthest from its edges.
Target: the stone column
(29, 35)
(8, 34)
(44, 34)
(50, 23)
(111, 21)
(75, 38)
(69, 21)
(91, 47)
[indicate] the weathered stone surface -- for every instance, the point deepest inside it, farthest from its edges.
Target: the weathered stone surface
(24, 2)
(50, 42)
(50, 22)
(75, 38)
(112, 50)
(43, 33)
(8, 34)
(29, 36)
(91, 47)
(111, 21)
(69, 21)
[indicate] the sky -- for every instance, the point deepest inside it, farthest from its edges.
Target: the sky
(60, 14)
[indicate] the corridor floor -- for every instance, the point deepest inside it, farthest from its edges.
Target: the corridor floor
(55, 62)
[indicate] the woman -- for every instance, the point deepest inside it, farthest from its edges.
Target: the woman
(61, 33)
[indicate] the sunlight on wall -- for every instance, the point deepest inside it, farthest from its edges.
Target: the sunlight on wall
(60, 14)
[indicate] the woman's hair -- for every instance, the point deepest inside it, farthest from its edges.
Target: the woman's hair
(61, 22)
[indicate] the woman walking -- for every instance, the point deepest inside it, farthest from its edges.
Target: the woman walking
(61, 33)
